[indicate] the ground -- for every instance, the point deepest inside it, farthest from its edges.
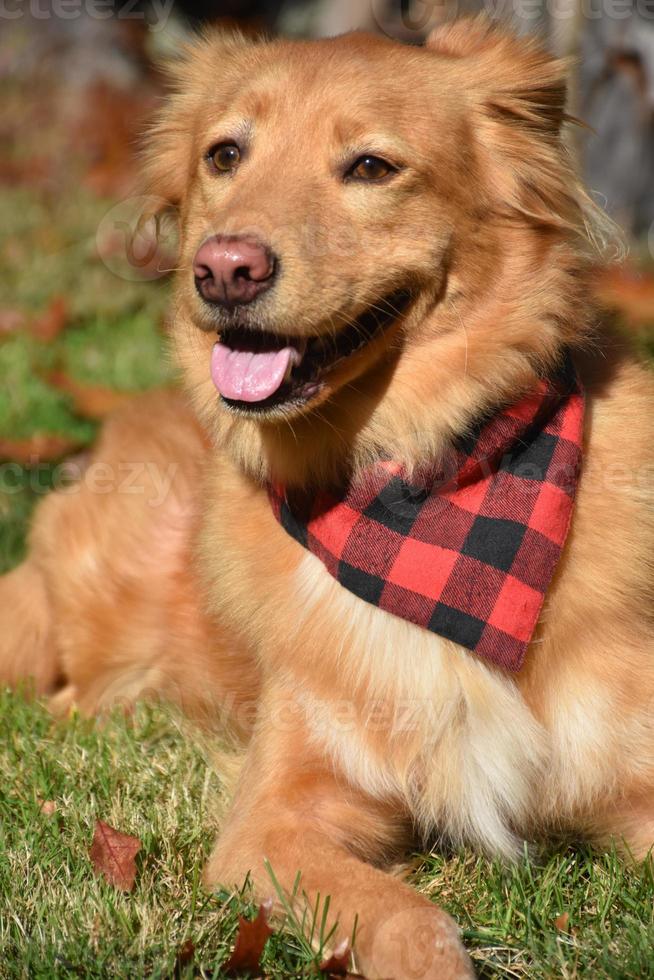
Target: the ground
(73, 333)
(150, 776)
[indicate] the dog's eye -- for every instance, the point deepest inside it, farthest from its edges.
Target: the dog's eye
(224, 157)
(371, 168)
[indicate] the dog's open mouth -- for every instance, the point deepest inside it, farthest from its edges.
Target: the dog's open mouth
(255, 370)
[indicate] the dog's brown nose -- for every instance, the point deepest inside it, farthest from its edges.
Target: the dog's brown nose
(232, 271)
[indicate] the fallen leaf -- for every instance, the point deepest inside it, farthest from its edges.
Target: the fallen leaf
(250, 941)
(185, 956)
(336, 967)
(337, 964)
(562, 922)
(42, 447)
(112, 855)
(89, 401)
(52, 322)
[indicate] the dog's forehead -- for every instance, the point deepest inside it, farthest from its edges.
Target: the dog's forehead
(346, 85)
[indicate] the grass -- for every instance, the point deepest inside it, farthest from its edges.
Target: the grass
(148, 775)
(143, 775)
(113, 338)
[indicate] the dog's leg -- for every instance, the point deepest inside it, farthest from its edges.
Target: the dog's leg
(629, 824)
(292, 813)
(27, 648)
(108, 603)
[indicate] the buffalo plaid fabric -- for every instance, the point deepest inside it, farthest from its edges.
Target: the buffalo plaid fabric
(469, 551)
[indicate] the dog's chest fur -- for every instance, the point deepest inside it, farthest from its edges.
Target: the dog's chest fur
(402, 712)
(420, 718)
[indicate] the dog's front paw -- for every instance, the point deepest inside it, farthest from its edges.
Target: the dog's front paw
(416, 944)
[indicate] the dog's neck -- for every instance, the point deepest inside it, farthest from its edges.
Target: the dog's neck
(484, 344)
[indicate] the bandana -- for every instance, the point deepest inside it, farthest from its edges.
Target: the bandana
(468, 553)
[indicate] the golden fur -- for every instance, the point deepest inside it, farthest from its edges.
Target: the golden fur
(361, 727)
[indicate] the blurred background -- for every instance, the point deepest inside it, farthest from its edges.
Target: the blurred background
(83, 302)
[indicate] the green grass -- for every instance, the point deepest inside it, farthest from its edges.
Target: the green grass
(149, 775)
(113, 338)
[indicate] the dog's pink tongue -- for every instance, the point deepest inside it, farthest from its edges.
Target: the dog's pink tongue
(246, 376)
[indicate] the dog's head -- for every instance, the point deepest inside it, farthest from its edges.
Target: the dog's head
(377, 241)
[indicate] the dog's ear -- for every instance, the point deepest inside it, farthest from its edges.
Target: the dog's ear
(167, 149)
(514, 77)
(517, 92)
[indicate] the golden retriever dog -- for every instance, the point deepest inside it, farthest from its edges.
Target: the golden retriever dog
(385, 262)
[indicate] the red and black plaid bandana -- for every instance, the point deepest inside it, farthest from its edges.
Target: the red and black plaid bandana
(467, 554)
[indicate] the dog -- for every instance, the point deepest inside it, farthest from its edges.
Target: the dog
(404, 553)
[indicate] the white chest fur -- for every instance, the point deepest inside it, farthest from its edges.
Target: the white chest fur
(415, 716)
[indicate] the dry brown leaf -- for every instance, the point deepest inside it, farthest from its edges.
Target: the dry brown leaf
(89, 401)
(338, 963)
(42, 447)
(52, 322)
(112, 855)
(562, 922)
(336, 967)
(185, 956)
(250, 941)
